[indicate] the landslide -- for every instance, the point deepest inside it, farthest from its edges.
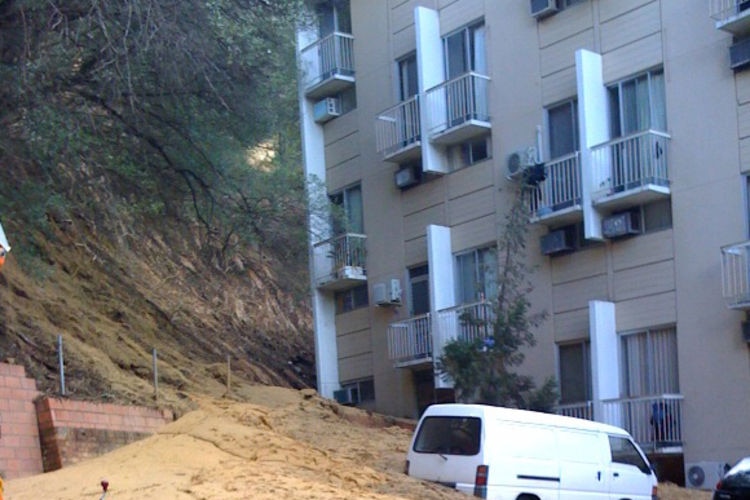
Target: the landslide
(116, 288)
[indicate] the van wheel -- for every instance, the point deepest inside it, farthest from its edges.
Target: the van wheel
(527, 497)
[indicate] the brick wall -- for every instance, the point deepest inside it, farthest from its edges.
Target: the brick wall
(72, 431)
(20, 454)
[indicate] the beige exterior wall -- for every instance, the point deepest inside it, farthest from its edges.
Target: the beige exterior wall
(667, 277)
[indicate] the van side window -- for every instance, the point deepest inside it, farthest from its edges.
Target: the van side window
(449, 435)
(624, 452)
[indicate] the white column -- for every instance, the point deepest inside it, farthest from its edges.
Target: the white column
(442, 289)
(593, 125)
(605, 361)
(430, 72)
(323, 304)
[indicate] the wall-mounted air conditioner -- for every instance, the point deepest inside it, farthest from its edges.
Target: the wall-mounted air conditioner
(543, 8)
(326, 109)
(558, 242)
(519, 161)
(346, 396)
(406, 177)
(387, 294)
(621, 225)
(704, 475)
(739, 55)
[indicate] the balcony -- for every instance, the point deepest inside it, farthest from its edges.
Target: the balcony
(732, 16)
(584, 410)
(397, 132)
(735, 275)
(458, 110)
(328, 65)
(339, 262)
(631, 170)
(557, 199)
(655, 422)
(411, 342)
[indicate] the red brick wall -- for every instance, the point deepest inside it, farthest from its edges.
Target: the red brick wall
(20, 454)
(72, 431)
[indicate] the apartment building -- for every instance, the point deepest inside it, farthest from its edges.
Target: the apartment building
(421, 117)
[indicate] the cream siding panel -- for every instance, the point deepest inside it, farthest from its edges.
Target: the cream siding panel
(646, 312)
(745, 155)
(577, 294)
(343, 127)
(342, 150)
(571, 325)
(611, 8)
(479, 232)
(444, 3)
(644, 280)
(470, 179)
(415, 251)
(472, 206)
(565, 24)
(354, 344)
(458, 14)
(355, 367)
(353, 321)
(343, 175)
(562, 54)
(415, 224)
(633, 58)
(578, 265)
(404, 42)
(559, 86)
(742, 80)
(743, 113)
(645, 249)
(630, 27)
(421, 197)
(402, 16)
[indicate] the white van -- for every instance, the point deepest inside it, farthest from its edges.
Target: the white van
(506, 454)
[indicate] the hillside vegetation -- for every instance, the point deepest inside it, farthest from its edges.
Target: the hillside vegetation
(151, 190)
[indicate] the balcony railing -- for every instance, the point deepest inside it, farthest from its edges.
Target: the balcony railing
(630, 166)
(655, 422)
(735, 275)
(397, 129)
(412, 341)
(339, 262)
(328, 65)
(731, 15)
(584, 410)
(561, 188)
(458, 109)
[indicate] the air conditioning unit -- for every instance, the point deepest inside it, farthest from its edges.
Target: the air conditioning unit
(326, 109)
(543, 8)
(739, 55)
(387, 294)
(558, 242)
(519, 161)
(406, 177)
(346, 396)
(704, 475)
(621, 225)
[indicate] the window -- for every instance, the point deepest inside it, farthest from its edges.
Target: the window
(477, 275)
(657, 216)
(638, 104)
(348, 99)
(365, 389)
(575, 372)
(352, 299)
(419, 288)
(333, 16)
(449, 435)
(649, 360)
(407, 77)
(347, 213)
(465, 51)
(562, 123)
(624, 452)
(469, 153)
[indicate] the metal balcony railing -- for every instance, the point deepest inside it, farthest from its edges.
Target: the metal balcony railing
(631, 162)
(561, 188)
(584, 410)
(735, 275)
(655, 422)
(467, 322)
(410, 340)
(724, 10)
(326, 58)
(398, 127)
(458, 101)
(340, 258)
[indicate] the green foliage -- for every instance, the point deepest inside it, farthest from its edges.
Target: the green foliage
(482, 369)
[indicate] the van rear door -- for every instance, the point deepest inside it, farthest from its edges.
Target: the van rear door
(446, 449)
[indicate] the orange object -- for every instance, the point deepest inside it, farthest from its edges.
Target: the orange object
(2, 261)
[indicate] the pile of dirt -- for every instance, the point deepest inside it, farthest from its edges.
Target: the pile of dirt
(275, 444)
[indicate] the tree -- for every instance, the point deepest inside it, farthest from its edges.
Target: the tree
(482, 369)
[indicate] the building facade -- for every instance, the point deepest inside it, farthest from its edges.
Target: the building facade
(421, 117)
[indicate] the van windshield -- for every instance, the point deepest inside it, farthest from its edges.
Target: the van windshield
(449, 435)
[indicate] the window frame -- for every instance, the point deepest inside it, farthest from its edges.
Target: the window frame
(572, 105)
(617, 123)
